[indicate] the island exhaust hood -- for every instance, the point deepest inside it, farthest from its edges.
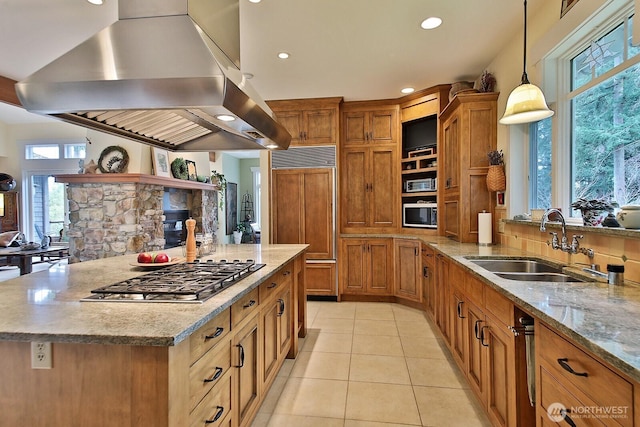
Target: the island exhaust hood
(166, 74)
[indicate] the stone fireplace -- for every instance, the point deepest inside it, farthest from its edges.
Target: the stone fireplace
(117, 214)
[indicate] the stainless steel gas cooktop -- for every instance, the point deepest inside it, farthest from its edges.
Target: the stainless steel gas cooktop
(193, 282)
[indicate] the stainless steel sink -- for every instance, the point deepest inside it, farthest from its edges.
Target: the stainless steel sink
(538, 277)
(516, 266)
(525, 270)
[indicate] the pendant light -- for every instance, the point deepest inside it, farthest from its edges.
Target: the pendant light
(526, 103)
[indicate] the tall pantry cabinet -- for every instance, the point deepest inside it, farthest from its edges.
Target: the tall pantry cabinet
(468, 131)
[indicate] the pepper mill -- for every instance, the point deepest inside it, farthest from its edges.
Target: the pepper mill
(191, 240)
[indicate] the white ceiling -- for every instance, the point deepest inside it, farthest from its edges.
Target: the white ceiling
(358, 49)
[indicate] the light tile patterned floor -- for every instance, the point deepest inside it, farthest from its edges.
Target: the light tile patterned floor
(369, 365)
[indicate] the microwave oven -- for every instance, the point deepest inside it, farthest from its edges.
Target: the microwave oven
(414, 185)
(424, 215)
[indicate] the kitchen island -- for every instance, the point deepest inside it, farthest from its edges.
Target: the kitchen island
(120, 364)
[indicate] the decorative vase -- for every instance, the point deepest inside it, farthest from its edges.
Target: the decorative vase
(496, 179)
(237, 237)
(592, 217)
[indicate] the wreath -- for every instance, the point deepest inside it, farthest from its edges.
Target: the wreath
(113, 159)
(179, 169)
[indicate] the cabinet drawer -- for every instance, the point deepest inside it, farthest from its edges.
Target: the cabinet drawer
(602, 385)
(209, 335)
(272, 285)
(553, 394)
(215, 408)
(244, 307)
(474, 290)
(428, 255)
(207, 372)
(499, 306)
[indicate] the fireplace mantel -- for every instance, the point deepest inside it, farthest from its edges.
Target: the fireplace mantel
(138, 178)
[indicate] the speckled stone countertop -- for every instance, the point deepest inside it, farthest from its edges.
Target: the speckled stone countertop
(45, 306)
(602, 318)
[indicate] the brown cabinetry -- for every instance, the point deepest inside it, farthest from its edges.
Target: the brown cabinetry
(245, 356)
(309, 121)
(366, 266)
(370, 126)
(468, 133)
(428, 279)
(408, 277)
(441, 294)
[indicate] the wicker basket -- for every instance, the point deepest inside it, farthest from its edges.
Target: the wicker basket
(496, 180)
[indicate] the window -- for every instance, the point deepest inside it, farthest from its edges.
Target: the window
(51, 151)
(540, 164)
(605, 118)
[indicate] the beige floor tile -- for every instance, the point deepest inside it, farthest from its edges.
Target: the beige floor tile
(271, 399)
(330, 366)
(313, 397)
(435, 373)
(328, 342)
(422, 347)
(287, 366)
(332, 325)
(337, 310)
(379, 369)
(358, 423)
(375, 327)
(281, 420)
(374, 311)
(415, 328)
(448, 407)
(391, 403)
(401, 312)
(261, 420)
(380, 345)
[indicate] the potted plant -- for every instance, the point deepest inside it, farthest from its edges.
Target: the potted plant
(496, 180)
(593, 210)
(218, 179)
(239, 232)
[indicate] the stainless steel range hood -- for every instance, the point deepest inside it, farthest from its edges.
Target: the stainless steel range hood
(162, 75)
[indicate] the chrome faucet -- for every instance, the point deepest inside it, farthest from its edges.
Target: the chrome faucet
(563, 244)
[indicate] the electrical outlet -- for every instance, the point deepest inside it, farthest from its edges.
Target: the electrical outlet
(41, 355)
(500, 226)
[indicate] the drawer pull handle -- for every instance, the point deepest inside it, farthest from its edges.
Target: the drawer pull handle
(565, 365)
(216, 417)
(249, 304)
(215, 375)
(567, 418)
(460, 309)
(482, 336)
(281, 303)
(286, 273)
(272, 285)
(241, 356)
(476, 330)
(216, 334)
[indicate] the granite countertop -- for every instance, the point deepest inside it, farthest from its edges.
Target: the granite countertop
(603, 318)
(45, 306)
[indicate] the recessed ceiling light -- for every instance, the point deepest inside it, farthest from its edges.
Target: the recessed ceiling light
(225, 117)
(431, 23)
(254, 1)
(407, 90)
(247, 76)
(283, 55)
(98, 2)
(271, 146)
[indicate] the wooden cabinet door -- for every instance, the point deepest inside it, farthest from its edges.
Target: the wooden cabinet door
(451, 223)
(353, 266)
(428, 277)
(354, 187)
(408, 262)
(476, 353)
(270, 345)
(246, 362)
(285, 319)
(319, 127)
(9, 221)
(317, 213)
(383, 190)
(355, 128)
(320, 278)
(293, 122)
(458, 326)
(380, 266)
(501, 373)
(442, 296)
(287, 206)
(451, 142)
(383, 126)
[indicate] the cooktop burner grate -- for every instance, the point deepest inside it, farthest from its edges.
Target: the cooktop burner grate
(187, 282)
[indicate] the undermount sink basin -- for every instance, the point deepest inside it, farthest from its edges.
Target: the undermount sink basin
(538, 277)
(516, 266)
(525, 270)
